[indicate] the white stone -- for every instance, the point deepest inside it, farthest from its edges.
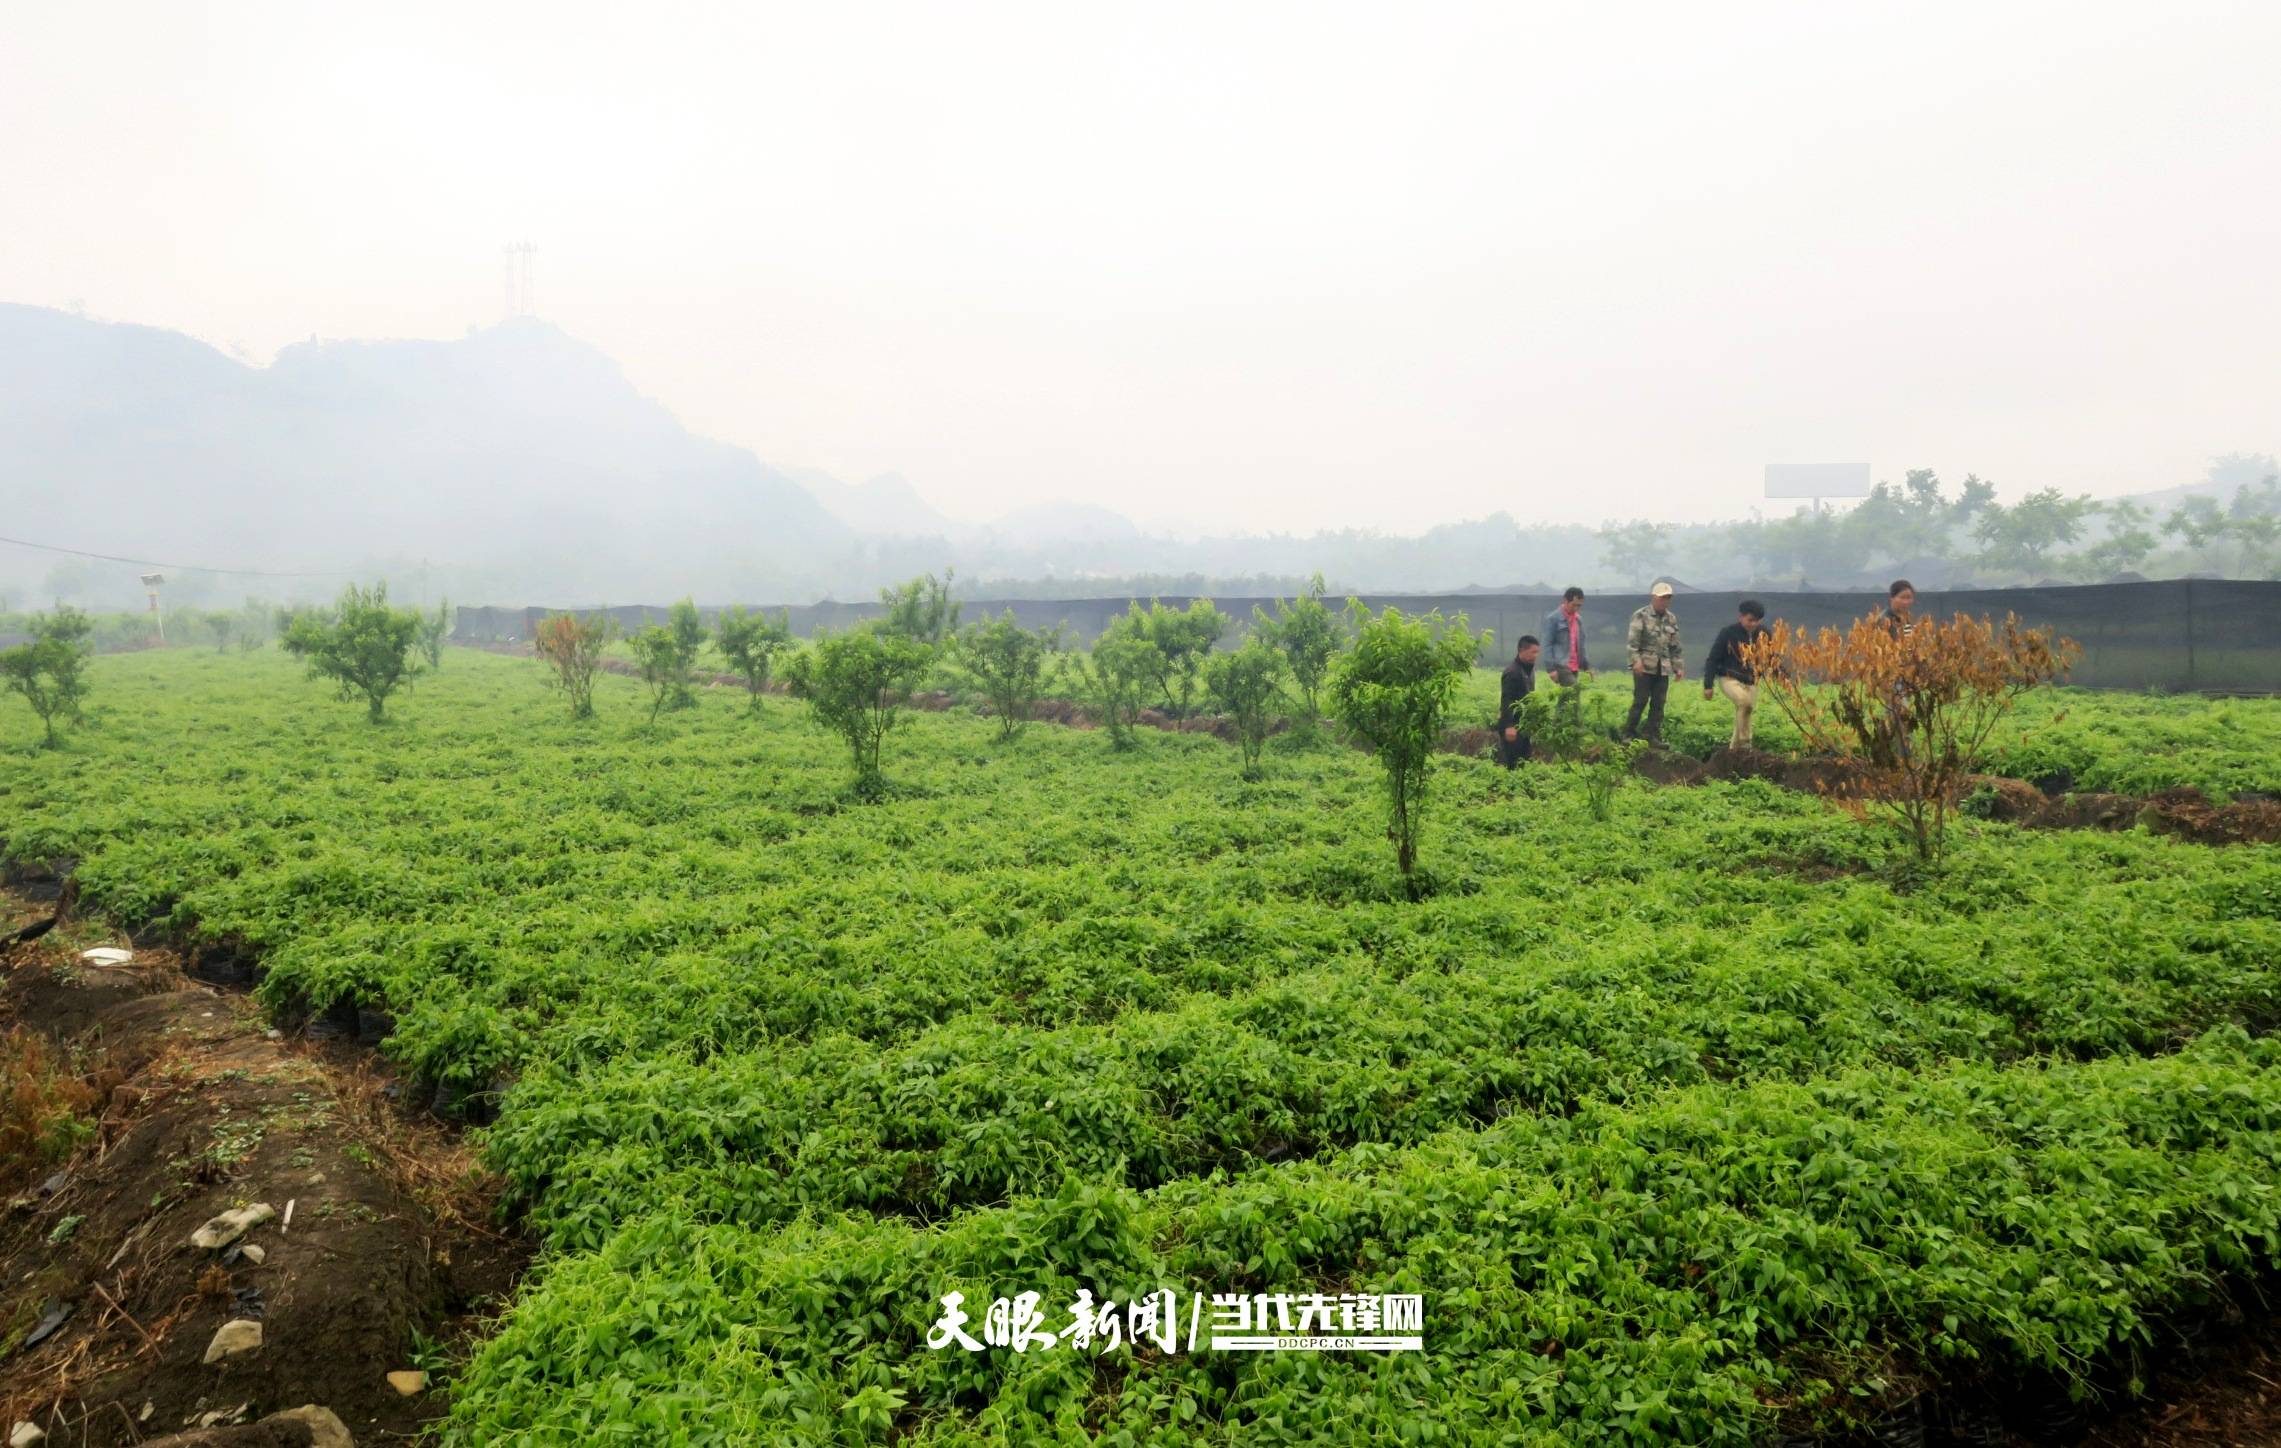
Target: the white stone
(26, 1434)
(326, 1430)
(239, 1335)
(221, 1231)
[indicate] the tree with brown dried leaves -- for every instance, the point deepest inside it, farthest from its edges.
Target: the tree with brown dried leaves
(1912, 710)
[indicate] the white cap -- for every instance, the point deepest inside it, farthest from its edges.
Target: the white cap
(1661, 590)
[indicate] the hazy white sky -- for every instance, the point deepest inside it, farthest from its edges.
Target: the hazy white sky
(1238, 265)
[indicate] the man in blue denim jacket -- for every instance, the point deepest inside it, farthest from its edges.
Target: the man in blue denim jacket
(1564, 650)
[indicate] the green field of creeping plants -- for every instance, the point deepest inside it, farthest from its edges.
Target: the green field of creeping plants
(1694, 1124)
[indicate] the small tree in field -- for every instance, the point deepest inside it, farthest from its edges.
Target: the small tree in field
(667, 655)
(1182, 639)
(222, 625)
(921, 610)
(51, 671)
(1308, 637)
(364, 646)
(1113, 679)
(572, 647)
(1393, 692)
(750, 644)
(1007, 664)
(1914, 714)
(434, 629)
(1246, 684)
(854, 683)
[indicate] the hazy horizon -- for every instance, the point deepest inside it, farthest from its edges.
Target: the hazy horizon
(1277, 268)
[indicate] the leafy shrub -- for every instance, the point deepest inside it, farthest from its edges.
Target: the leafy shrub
(434, 629)
(750, 644)
(854, 683)
(920, 610)
(50, 672)
(667, 656)
(1246, 684)
(1394, 693)
(1605, 776)
(1181, 639)
(1915, 711)
(363, 645)
(1007, 664)
(572, 648)
(1308, 636)
(1113, 679)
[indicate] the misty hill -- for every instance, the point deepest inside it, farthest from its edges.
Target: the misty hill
(1043, 525)
(883, 507)
(516, 459)
(518, 466)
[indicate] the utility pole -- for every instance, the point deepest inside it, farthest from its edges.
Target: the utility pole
(151, 581)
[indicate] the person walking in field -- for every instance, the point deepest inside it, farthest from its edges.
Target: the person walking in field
(1731, 672)
(1564, 640)
(1519, 681)
(1652, 645)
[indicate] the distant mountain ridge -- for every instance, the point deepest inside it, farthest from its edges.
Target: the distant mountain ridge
(883, 507)
(517, 452)
(518, 465)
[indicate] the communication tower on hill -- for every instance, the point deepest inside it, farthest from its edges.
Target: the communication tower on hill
(521, 256)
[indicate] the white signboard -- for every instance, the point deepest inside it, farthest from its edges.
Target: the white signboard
(1817, 480)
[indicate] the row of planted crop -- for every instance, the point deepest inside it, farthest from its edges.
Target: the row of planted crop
(516, 946)
(981, 1107)
(1690, 1267)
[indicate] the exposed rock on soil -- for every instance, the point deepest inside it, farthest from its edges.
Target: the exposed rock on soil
(167, 1235)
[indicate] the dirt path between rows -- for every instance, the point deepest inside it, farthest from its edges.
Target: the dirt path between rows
(116, 1326)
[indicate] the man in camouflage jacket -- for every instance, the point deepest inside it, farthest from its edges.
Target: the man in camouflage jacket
(1652, 643)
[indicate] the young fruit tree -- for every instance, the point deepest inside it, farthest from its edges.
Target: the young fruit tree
(921, 610)
(1182, 639)
(1008, 665)
(1308, 637)
(667, 655)
(855, 683)
(434, 629)
(363, 645)
(572, 648)
(1246, 684)
(1393, 691)
(51, 671)
(1913, 711)
(750, 644)
(1112, 680)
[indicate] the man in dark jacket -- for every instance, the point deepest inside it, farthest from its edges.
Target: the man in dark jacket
(1520, 678)
(1728, 671)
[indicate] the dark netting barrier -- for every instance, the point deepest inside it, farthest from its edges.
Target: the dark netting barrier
(2184, 634)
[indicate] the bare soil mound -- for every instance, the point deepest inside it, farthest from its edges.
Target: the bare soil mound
(110, 1310)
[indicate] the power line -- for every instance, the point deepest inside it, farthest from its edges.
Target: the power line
(179, 567)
